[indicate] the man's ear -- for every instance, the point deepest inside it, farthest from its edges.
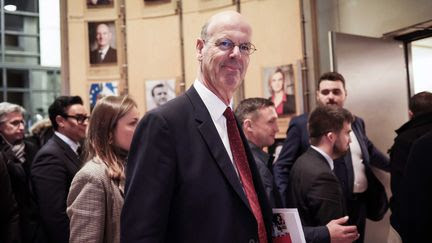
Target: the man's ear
(247, 125)
(331, 136)
(60, 121)
(199, 47)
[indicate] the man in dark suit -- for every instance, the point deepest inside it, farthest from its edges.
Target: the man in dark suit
(56, 164)
(190, 176)
(258, 118)
(259, 122)
(420, 114)
(364, 194)
(313, 188)
(18, 153)
(415, 196)
(104, 53)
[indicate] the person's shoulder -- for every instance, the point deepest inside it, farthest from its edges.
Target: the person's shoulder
(93, 170)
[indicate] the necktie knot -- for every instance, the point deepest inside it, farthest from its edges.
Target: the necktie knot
(229, 115)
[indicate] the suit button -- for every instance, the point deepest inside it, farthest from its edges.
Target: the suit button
(253, 241)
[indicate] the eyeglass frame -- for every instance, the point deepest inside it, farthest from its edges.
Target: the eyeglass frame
(79, 118)
(217, 43)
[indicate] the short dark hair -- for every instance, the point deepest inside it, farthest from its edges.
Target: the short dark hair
(250, 107)
(59, 106)
(331, 76)
(324, 119)
(421, 103)
(161, 85)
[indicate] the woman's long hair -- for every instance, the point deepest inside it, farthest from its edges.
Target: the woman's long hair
(100, 135)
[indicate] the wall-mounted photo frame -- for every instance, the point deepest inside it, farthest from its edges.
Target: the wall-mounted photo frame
(279, 86)
(158, 92)
(98, 90)
(99, 3)
(102, 43)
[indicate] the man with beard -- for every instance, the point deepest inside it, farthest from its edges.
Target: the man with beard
(364, 194)
(17, 154)
(313, 188)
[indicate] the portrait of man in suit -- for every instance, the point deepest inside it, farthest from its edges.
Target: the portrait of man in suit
(99, 3)
(102, 43)
(191, 176)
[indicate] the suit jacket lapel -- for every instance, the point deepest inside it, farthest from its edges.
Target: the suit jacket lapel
(68, 152)
(214, 143)
(357, 129)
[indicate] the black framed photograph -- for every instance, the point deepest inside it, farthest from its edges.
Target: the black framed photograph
(102, 43)
(99, 3)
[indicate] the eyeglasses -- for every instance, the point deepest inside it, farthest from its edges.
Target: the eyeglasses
(227, 45)
(79, 118)
(14, 123)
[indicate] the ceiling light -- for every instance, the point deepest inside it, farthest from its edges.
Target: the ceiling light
(10, 7)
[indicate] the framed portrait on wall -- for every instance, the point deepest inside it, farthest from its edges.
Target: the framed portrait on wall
(99, 3)
(98, 90)
(102, 43)
(158, 92)
(279, 87)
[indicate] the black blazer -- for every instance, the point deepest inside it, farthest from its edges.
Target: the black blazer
(110, 56)
(52, 172)
(180, 183)
(314, 190)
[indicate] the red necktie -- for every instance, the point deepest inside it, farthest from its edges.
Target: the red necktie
(239, 156)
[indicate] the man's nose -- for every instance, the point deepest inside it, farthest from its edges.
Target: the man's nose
(235, 52)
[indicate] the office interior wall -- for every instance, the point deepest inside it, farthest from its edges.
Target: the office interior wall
(153, 47)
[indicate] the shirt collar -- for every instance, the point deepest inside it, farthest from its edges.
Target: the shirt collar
(74, 146)
(214, 105)
(329, 160)
(104, 50)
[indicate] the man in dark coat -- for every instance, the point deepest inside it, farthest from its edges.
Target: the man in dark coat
(258, 118)
(18, 154)
(313, 188)
(420, 113)
(56, 163)
(364, 194)
(191, 176)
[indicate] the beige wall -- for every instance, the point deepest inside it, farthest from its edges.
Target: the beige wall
(153, 48)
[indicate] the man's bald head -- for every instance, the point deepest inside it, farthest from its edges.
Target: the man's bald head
(226, 18)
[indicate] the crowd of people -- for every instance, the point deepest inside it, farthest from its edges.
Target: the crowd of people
(194, 170)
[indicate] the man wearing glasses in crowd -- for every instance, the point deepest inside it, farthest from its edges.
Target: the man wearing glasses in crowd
(17, 153)
(200, 182)
(56, 164)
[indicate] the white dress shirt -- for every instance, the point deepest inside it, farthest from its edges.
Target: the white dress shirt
(74, 146)
(360, 180)
(216, 108)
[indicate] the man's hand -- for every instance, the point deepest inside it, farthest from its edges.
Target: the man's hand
(340, 233)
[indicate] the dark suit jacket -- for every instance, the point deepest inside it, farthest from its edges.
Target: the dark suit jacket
(52, 171)
(296, 143)
(9, 216)
(314, 190)
(180, 183)
(110, 56)
(416, 198)
(407, 134)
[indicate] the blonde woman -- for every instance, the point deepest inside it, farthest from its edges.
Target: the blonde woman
(95, 198)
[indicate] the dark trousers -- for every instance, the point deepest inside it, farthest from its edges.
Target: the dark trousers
(356, 207)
